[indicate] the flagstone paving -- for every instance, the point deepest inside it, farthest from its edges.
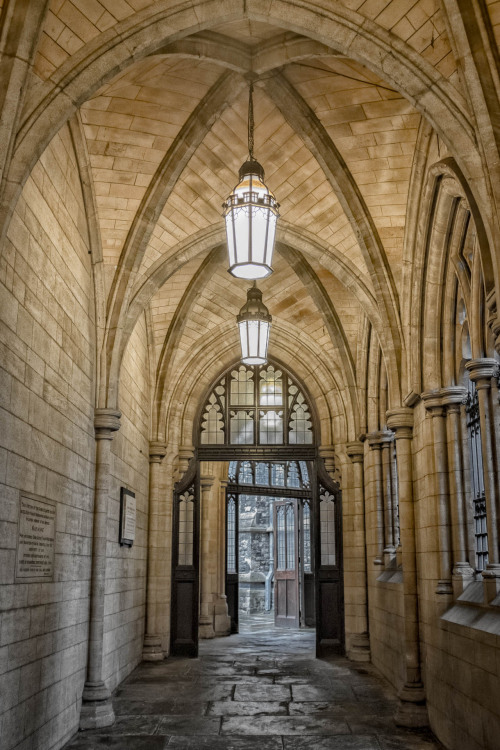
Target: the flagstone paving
(261, 689)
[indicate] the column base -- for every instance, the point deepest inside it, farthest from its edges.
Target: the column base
(359, 650)
(412, 709)
(462, 576)
(152, 650)
(97, 707)
(222, 621)
(206, 628)
(444, 587)
(491, 582)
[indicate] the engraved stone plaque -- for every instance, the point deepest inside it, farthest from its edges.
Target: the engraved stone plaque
(36, 538)
(127, 517)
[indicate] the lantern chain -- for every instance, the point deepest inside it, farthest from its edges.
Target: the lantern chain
(250, 121)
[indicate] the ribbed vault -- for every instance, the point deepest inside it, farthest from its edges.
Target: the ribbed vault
(351, 98)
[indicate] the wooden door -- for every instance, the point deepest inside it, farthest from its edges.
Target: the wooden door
(329, 572)
(286, 564)
(232, 558)
(185, 567)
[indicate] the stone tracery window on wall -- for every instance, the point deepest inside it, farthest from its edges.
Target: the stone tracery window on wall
(306, 537)
(257, 405)
(477, 476)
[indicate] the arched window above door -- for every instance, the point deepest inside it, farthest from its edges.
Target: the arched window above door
(257, 406)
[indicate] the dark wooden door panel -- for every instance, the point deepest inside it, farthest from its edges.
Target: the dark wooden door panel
(286, 564)
(185, 567)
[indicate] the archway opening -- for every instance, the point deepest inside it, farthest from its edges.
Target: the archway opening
(257, 465)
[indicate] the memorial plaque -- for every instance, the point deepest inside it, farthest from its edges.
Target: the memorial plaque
(127, 517)
(36, 538)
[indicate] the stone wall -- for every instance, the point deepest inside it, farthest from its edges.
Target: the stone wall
(126, 566)
(255, 551)
(46, 449)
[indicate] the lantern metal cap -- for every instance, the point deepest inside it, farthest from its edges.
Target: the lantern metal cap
(251, 166)
(254, 308)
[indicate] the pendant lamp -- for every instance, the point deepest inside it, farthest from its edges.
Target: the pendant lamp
(250, 213)
(254, 322)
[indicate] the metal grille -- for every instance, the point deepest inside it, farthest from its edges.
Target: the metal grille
(477, 476)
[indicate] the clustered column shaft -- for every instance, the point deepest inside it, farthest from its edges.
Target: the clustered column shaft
(152, 650)
(97, 709)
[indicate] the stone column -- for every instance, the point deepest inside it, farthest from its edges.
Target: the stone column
(97, 708)
(481, 371)
(462, 573)
(152, 650)
(375, 441)
(206, 624)
(412, 710)
(432, 402)
(222, 621)
(360, 641)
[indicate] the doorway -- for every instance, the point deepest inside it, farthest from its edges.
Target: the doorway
(269, 556)
(261, 421)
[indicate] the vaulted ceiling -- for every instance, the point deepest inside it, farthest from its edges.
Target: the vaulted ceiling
(165, 136)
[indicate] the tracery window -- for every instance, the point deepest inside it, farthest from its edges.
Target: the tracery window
(256, 405)
(477, 476)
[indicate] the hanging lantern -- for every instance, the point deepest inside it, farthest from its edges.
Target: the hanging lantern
(254, 323)
(251, 213)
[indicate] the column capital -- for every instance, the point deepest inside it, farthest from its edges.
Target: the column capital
(106, 421)
(432, 403)
(157, 451)
(355, 451)
(206, 482)
(453, 395)
(481, 371)
(400, 421)
(379, 438)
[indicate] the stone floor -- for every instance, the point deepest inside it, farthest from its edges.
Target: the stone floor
(262, 689)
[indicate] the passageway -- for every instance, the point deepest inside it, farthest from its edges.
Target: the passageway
(262, 689)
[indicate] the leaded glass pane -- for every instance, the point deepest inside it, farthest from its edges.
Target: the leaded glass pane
(278, 475)
(293, 479)
(262, 473)
(280, 534)
(271, 387)
(306, 537)
(186, 528)
(271, 427)
(231, 536)
(304, 473)
(327, 528)
(245, 475)
(242, 432)
(242, 387)
(290, 538)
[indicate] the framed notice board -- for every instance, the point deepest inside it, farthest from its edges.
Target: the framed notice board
(127, 517)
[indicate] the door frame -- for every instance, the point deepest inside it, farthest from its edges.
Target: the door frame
(328, 580)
